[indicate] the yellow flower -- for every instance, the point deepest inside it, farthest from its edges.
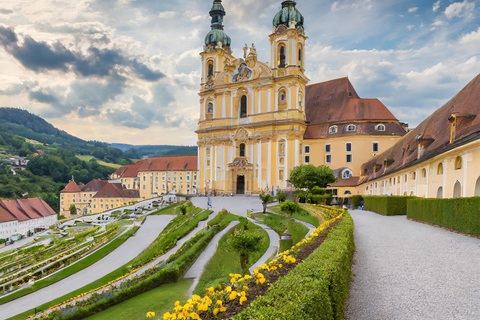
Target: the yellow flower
(196, 297)
(219, 302)
(194, 316)
(233, 280)
(228, 289)
(210, 291)
(216, 311)
(150, 314)
(242, 300)
(169, 316)
(248, 277)
(223, 309)
(233, 295)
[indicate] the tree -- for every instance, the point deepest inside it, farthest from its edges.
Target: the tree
(289, 207)
(245, 243)
(308, 176)
(73, 210)
(281, 197)
(183, 209)
(266, 198)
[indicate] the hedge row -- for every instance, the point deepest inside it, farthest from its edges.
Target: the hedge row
(460, 214)
(317, 288)
(172, 272)
(387, 205)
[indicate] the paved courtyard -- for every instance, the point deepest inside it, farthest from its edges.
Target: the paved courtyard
(408, 270)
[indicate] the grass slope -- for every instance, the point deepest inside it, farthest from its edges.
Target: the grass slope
(304, 216)
(159, 300)
(82, 264)
(226, 261)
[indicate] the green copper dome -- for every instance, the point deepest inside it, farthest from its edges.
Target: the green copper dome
(217, 34)
(287, 14)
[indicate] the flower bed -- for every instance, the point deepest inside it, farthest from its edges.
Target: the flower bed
(229, 300)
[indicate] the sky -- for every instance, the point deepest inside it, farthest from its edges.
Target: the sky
(128, 71)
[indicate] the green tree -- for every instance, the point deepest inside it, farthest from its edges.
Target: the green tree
(73, 210)
(266, 198)
(308, 176)
(289, 207)
(281, 197)
(245, 243)
(183, 209)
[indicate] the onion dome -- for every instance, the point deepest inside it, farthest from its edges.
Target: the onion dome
(287, 14)
(217, 34)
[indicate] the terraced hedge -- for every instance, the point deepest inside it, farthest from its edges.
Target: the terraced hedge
(460, 214)
(317, 288)
(387, 205)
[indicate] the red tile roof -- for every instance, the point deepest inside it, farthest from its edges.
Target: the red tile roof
(6, 216)
(25, 209)
(115, 190)
(433, 134)
(130, 171)
(71, 188)
(94, 186)
(337, 102)
(185, 163)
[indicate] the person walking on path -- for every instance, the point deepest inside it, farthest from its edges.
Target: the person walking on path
(209, 203)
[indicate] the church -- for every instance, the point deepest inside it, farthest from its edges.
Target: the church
(259, 120)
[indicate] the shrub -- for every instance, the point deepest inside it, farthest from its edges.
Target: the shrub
(281, 197)
(183, 209)
(317, 288)
(356, 201)
(460, 214)
(387, 205)
(289, 207)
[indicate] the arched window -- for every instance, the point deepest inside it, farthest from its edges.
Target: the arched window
(414, 175)
(243, 107)
(210, 70)
(458, 163)
(300, 101)
(300, 57)
(351, 127)
(333, 129)
(281, 148)
(424, 173)
(440, 168)
(242, 150)
(440, 193)
(347, 193)
(282, 97)
(380, 127)
(477, 188)
(282, 56)
(457, 190)
(210, 108)
(347, 174)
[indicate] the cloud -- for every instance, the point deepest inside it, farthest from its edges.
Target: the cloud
(5, 11)
(460, 9)
(439, 23)
(471, 38)
(103, 63)
(167, 14)
(410, 27)
(413, 9)
(357, 4)
(436, 6)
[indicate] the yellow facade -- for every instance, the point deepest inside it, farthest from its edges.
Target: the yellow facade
(155, 183)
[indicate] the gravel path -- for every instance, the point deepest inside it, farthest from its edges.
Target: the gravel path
(408, 270)
(117, 258)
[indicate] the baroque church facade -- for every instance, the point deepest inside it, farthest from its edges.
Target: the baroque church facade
(260, 120)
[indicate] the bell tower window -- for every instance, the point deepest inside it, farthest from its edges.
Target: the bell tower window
(210, 108)
(243, 107)
(282, 56)
(210, 69)
(300, 58)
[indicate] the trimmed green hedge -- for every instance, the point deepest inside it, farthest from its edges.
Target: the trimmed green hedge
(387, 205)
(356, 201)
(317, 288)
(460, 214)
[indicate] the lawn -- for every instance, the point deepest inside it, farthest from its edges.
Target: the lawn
(100, 162)
(96, 256)
(226, 261)
(302, 216)
(159, 300)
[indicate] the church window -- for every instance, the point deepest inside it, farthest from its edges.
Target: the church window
(440, 168)
(282, 56)
(300, 58)
(242, 150)
(300, 101)
(243, 107)
(333, 129)
(380, 127)
(210, 108)
(210, 70)
(282, 97)
(458, 163)
(351, 128)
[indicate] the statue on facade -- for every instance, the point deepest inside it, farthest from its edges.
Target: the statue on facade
(245, 50)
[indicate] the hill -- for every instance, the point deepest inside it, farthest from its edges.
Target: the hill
(156, 150)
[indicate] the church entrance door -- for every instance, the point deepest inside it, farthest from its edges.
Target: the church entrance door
(241, 185)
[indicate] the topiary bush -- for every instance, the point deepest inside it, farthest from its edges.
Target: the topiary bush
(387, 205)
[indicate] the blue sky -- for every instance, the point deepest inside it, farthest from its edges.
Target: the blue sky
(128, 70)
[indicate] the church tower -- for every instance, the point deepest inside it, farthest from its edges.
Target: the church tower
(252, 117)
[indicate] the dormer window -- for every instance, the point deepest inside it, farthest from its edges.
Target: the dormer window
(333, 129)
(380, 127)
(351, 128)
(347, 174)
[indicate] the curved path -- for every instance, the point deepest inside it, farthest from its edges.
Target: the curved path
(149, 231)
(408, 270)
